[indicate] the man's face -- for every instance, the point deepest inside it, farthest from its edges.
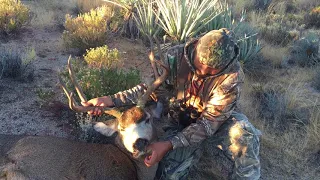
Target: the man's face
(203, 70)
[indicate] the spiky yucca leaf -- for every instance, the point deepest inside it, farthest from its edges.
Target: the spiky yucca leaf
(223, 20)
(182, 19)
(249, 47)
(145, 17)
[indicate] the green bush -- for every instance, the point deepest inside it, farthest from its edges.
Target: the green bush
(87, 30)
(305, 51)
(102, 57)
(97, 82)
(13, 15)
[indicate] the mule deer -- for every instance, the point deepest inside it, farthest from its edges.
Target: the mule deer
(32, 157)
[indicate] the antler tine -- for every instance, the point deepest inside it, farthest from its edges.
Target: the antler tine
(69, 95)
(155, 84)
(75, 83)
(72, 103)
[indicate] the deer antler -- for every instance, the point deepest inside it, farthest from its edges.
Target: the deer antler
(142, 101)
(74, 106)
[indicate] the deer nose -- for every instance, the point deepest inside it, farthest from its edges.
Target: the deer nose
(140, 144)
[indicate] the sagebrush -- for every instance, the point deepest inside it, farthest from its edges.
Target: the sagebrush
(102, 57)
(97, 82)
(16, 64)
(87, 30)
(13, 15)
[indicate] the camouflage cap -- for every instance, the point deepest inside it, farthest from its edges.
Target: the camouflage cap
(216, 48)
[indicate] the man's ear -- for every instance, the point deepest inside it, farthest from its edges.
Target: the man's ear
(107, 128)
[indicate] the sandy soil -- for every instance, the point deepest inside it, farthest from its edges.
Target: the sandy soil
(22, 111)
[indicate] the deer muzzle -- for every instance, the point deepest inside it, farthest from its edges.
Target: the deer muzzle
(140, 147)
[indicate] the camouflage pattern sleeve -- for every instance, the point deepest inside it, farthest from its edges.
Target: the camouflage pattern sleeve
(221, 103)
(129, 97)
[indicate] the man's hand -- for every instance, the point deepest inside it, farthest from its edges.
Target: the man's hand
(105, 101)
(159, 150)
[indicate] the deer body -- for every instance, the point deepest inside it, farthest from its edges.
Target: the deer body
(31, 157)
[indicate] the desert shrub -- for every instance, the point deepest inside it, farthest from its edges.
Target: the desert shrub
(44, 96)
(102, 57)
(11, 64)
(13, 15)
(316, 79)
(262, 4)
(275, 33)
(275, 55)
(14, 64)
(313, 17)
(248, 5)
(305, 51)
(280, 106)
(49, 14)
(100, 81)
(87, 30)
(83, 6)
(276, 29)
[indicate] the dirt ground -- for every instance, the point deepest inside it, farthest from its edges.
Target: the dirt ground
(22, 111)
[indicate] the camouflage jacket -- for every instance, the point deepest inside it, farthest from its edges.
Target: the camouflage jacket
(214, 96)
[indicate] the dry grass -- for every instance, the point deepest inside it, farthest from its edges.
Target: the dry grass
(84, 6)
(274, 54)
(48, 13)
(307, 4)
(288, 152)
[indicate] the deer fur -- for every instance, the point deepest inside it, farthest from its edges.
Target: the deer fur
(52, 158)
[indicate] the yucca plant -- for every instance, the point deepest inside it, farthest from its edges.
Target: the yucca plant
(223, 20)
(183, 19)
(146, 20)
(129, 25)
(13, 15)
(247, 41)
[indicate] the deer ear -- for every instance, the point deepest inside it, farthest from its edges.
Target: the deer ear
(107, 128)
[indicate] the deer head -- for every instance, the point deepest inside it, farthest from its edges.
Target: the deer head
(134, 125)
